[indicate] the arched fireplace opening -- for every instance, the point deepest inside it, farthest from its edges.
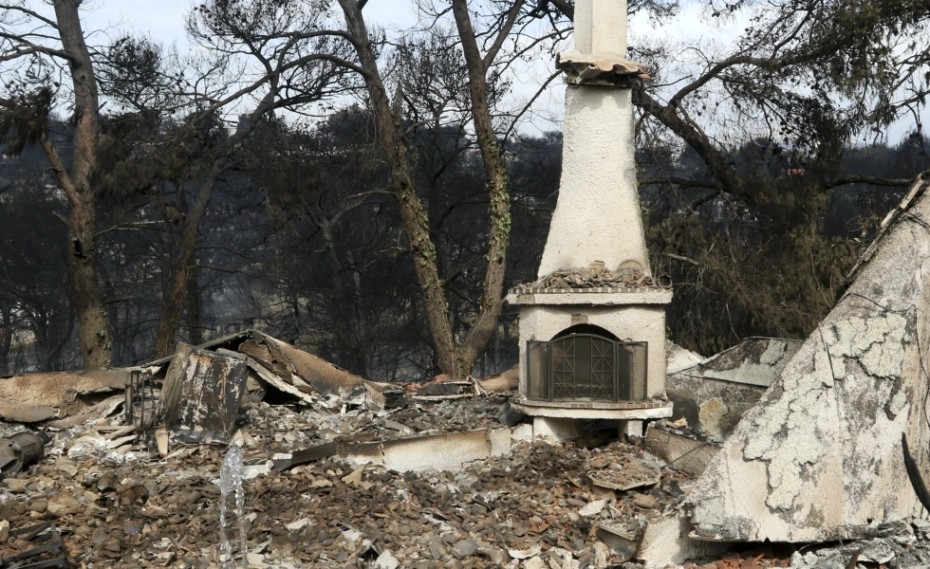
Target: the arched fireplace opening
(586, 363)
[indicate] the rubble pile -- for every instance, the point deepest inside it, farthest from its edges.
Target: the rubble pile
(116, 504)
(597, 275)
(896, 544)
(219, 459)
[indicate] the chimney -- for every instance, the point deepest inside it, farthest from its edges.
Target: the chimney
(592, 327)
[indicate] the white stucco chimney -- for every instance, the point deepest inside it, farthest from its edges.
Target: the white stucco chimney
(592, 328)
(598, 216)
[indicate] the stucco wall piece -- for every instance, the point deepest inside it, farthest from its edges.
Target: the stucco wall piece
(755, 361)
(449, 451)
(443, 451)
(819, 458)
(679, 359)
(875, 342)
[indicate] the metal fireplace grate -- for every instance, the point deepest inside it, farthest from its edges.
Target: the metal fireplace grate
(586, 367)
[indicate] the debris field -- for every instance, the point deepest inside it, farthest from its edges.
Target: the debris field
(118, 504)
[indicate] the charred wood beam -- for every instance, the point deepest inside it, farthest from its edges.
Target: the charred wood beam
(870, 180)
(913, 473)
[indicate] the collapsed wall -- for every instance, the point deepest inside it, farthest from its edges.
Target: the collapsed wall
(820, 458)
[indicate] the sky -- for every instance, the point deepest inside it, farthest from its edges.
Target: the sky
(163, 20)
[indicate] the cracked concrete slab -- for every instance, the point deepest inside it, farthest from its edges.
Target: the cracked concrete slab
(819, 458)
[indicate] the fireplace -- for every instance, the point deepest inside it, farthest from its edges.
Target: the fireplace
(595, 352)
(592, 326)
(586, 363)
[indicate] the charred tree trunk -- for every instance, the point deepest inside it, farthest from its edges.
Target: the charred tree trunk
(184, 266)
(193, 307)
(6, 340)
(401, 183)
(496, 181)
(85, 290)
(455, 359)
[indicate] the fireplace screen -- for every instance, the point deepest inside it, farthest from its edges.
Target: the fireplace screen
(586, 367)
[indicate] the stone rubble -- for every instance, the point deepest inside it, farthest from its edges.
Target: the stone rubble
(597, 275)
(118, 504)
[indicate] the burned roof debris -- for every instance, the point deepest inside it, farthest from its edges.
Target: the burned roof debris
(340, 470)
(350, 472)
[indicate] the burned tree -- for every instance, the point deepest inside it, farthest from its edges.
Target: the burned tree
(193, 154)
(26, 107)
(454, 357)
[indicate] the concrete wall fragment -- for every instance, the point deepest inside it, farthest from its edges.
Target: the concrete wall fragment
(820, 457)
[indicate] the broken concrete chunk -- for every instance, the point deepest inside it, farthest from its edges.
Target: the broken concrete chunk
(534, 563)
(714, 394)
(592, 508)
(298, 524)
(623, 539)
(387, 560)
(665, 542)
(355, 479)
(520, 554)
(645, 501)
(679, 359)
(755, 361)
(464, 548)
(446, 451)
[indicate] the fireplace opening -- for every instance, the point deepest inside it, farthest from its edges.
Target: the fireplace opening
(586, 363)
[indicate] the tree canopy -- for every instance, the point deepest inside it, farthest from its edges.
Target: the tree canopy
(371, 193)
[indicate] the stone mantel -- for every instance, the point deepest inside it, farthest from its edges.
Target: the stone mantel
(603, 296)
